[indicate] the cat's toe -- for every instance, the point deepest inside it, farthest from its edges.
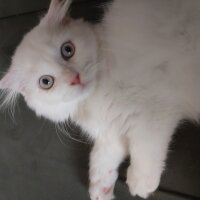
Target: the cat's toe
(102, 184)
(98, 192)
(142, 185)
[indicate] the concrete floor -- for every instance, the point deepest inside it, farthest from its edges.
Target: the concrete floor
(38, 163)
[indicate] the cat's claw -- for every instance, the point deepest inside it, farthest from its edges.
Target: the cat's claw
(141, 185)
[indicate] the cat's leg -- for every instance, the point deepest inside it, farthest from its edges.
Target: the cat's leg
(105, 158)
(148, 149)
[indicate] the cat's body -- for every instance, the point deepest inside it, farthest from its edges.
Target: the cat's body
(153, 62)
(142, 68)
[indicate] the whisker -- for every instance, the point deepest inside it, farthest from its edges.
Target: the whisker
(62, 127)
(8, 100)
(58, 134)
(69, 125)
(90, 68)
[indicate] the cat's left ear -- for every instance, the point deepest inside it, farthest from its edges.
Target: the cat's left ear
(57, 13)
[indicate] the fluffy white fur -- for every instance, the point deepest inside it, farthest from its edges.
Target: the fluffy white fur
(140, 68)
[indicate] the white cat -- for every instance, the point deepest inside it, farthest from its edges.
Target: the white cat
(127, 81)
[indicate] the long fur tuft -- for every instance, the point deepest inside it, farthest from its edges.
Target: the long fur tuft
(8, 100)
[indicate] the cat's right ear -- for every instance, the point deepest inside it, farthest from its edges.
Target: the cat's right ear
(57, 13)
(5, 82)
(11, 81)
(1, 86)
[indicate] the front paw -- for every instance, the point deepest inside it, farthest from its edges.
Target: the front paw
(142, 184)
(102, 185)
(99, 192)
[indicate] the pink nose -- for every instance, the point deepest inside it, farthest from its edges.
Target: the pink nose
(76, 80)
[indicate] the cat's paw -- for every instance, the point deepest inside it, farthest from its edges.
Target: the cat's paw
(140, 184)
(102, 185)
(99, 192)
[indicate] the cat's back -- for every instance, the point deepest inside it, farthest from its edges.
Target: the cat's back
(152, 49)
(155, 44)
(166, 16)
(141, 26)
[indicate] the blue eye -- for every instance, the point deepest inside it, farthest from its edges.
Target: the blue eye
(67, 50)
(46, 82)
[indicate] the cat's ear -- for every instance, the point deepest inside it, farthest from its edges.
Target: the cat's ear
(9, 81)
(6, 82)
(1, 86)
(57, 13)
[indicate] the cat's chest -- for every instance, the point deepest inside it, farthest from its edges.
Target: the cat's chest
(105, 113)
(95, 117)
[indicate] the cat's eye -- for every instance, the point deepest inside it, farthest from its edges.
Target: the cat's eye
(67, 50)
(46, 82)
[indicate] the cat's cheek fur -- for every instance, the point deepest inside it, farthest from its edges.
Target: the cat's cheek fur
(61, 108)
(57, 113)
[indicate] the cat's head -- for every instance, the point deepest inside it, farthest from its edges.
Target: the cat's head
(55, 65)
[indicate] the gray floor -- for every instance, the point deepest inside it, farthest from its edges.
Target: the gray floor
(39, 163)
